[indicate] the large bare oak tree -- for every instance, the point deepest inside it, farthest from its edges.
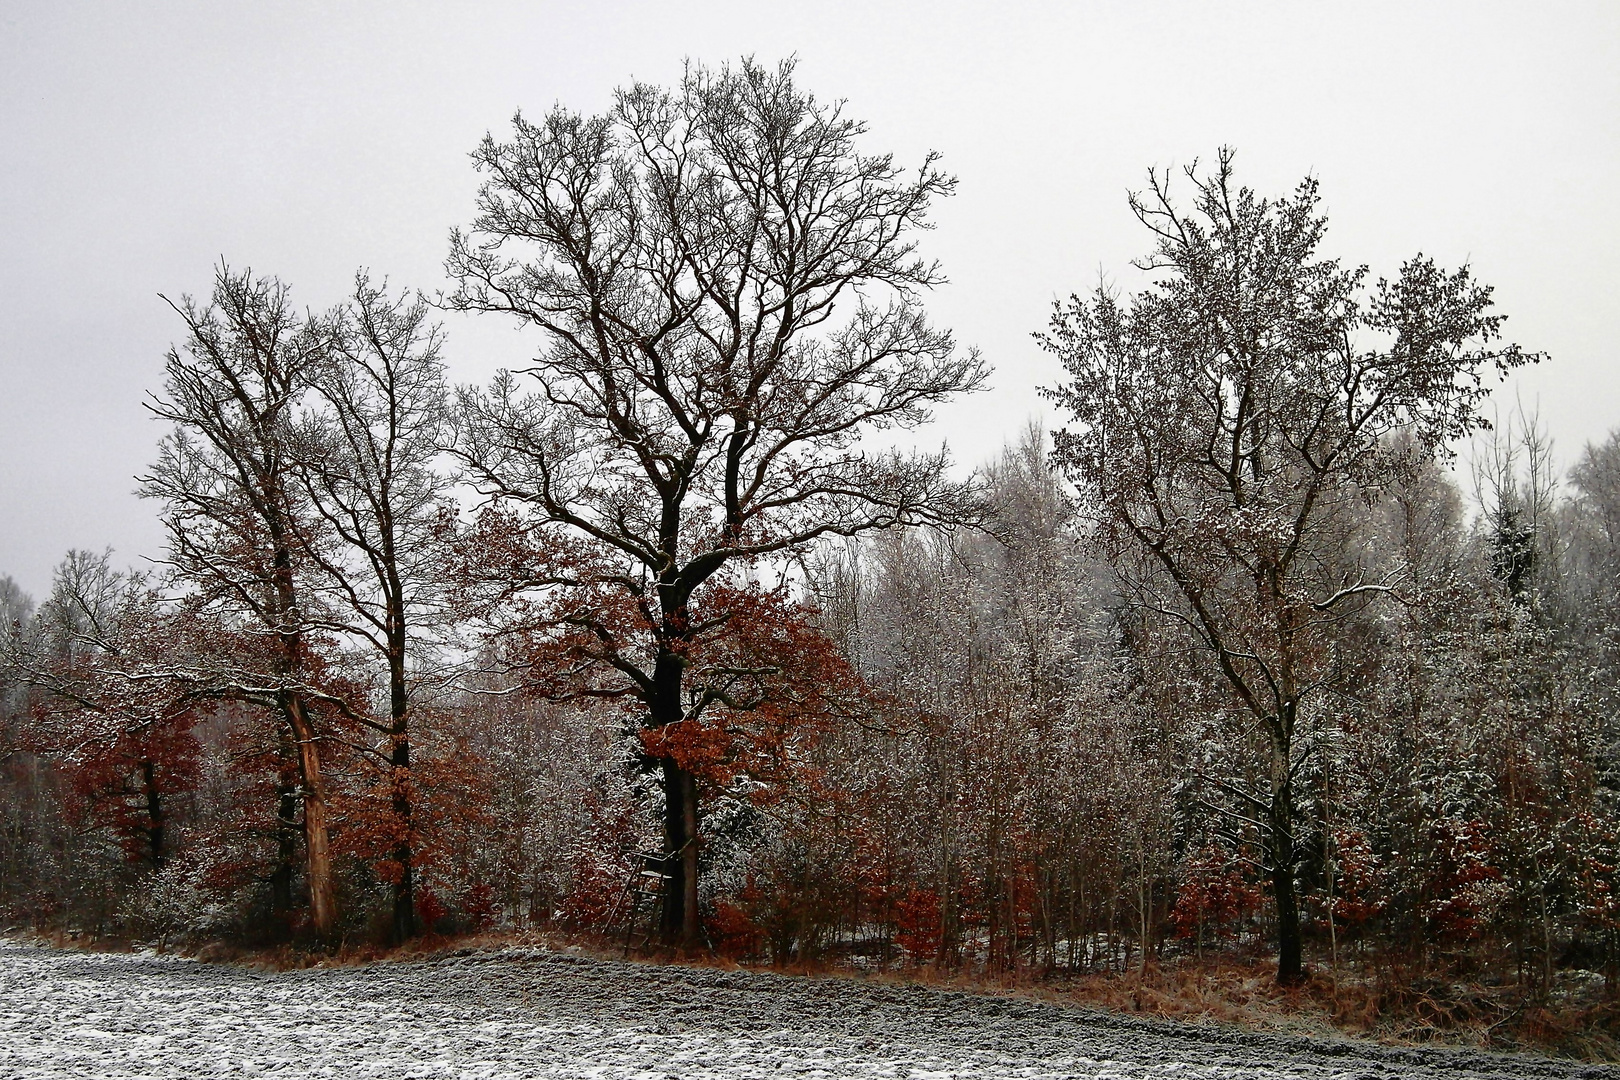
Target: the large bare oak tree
(728, 291)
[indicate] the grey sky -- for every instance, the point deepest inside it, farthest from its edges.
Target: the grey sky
(139, 143)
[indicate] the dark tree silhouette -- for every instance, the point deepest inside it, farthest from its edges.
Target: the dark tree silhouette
(728, 290)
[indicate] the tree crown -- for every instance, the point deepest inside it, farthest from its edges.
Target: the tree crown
(684, 255)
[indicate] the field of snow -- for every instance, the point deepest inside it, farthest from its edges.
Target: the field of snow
(526, 1013)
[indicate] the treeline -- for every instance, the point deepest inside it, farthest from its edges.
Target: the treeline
(1227, 664)
(1063, 781)
(1031, 777)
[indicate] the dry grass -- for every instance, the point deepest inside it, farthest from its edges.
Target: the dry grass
(1357, 1004)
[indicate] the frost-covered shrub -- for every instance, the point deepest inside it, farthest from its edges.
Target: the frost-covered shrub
(185, 898)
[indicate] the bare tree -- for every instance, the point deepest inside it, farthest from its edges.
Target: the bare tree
(86, 651)
(366, 460)
(235, 517)
(1593, 546)
(698, 404)
(1224, 415)
(15, 605)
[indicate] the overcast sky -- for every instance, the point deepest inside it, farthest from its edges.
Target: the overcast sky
(141, 143)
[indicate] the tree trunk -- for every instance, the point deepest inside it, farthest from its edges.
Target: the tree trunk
(405, 887)
(317, 851)
(281, 878)
(154, 812)
(1290, 964)
(1330, 869)
(679, 925)
(400, 782)
(1144, 903)
(295, 712)
(1280, 813)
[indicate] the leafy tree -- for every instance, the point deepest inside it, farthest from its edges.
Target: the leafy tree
(728, 290)
(1228, 414)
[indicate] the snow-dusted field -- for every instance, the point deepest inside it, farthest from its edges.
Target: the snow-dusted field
(533, 1014)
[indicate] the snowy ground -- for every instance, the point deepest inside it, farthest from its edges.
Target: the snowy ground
(525, 1013)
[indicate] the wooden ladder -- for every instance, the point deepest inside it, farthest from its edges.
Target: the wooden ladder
(642, 898)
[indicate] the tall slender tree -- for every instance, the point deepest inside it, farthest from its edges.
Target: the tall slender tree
(237, 522)
(366, 454)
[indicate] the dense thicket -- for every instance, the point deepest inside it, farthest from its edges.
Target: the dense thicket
(1037, 722)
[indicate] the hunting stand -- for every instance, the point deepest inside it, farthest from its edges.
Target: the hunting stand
(640, 906)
